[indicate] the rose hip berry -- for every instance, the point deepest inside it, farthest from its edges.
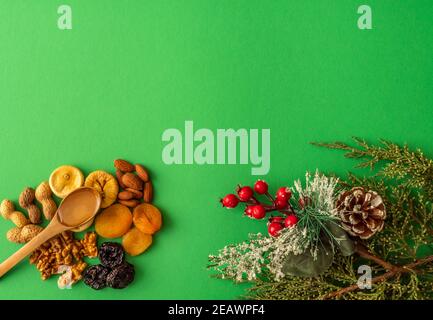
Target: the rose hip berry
(274, 228)
(281, 203)
(290, 221)
(230, 201)
(245, 193)
(284, 193)
(258, 202)
(258, 211)
(277, 219)
(261, 187)
(249, 211)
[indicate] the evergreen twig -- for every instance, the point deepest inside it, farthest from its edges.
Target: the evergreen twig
(392, 273)
(399, 162)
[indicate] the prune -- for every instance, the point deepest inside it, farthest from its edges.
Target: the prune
(121, 276)
(96, 276)
(111, 254)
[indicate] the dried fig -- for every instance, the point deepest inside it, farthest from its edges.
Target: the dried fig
(106, 184)
(65, 179)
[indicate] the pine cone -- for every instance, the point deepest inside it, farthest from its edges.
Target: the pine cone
(362, 213)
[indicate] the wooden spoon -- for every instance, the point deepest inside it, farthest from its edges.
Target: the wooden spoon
(84, 226)
(77, 209)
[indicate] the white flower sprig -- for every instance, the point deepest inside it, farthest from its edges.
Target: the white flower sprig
(317, 210)
(245, 261)
(320, 192)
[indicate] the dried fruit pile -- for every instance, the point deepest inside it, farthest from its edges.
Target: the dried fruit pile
(130, 189)
(113, 271)
(116, 220)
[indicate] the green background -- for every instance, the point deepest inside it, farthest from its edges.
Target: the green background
(131, 69)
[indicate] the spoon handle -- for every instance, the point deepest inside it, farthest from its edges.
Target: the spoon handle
(53, 229)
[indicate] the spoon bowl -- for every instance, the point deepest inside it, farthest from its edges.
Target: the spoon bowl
(79, 207)
(84, 226)
(75, 212)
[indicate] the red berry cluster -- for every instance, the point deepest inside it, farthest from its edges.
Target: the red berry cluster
(256, 209)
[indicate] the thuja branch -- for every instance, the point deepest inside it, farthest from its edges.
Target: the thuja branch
(396, 271)
(363, 252)
(400, 161)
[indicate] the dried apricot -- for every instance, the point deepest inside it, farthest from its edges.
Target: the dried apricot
(136, 242)
(147, 218)
(114, 221)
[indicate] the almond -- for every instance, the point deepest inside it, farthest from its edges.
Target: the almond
(123, 165)
(119, 176)
(136, 194)
(125, 195)
(132, 181)
(142, 172)
(130, 203)
(148, 192)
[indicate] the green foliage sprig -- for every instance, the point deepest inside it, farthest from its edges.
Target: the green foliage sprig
(400, 256)
(399, 162)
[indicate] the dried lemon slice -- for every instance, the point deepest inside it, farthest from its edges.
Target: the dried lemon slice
(106, 184)
(65, 179)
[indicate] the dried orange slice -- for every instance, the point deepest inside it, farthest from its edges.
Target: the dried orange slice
(106, 184)
(65, 179)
